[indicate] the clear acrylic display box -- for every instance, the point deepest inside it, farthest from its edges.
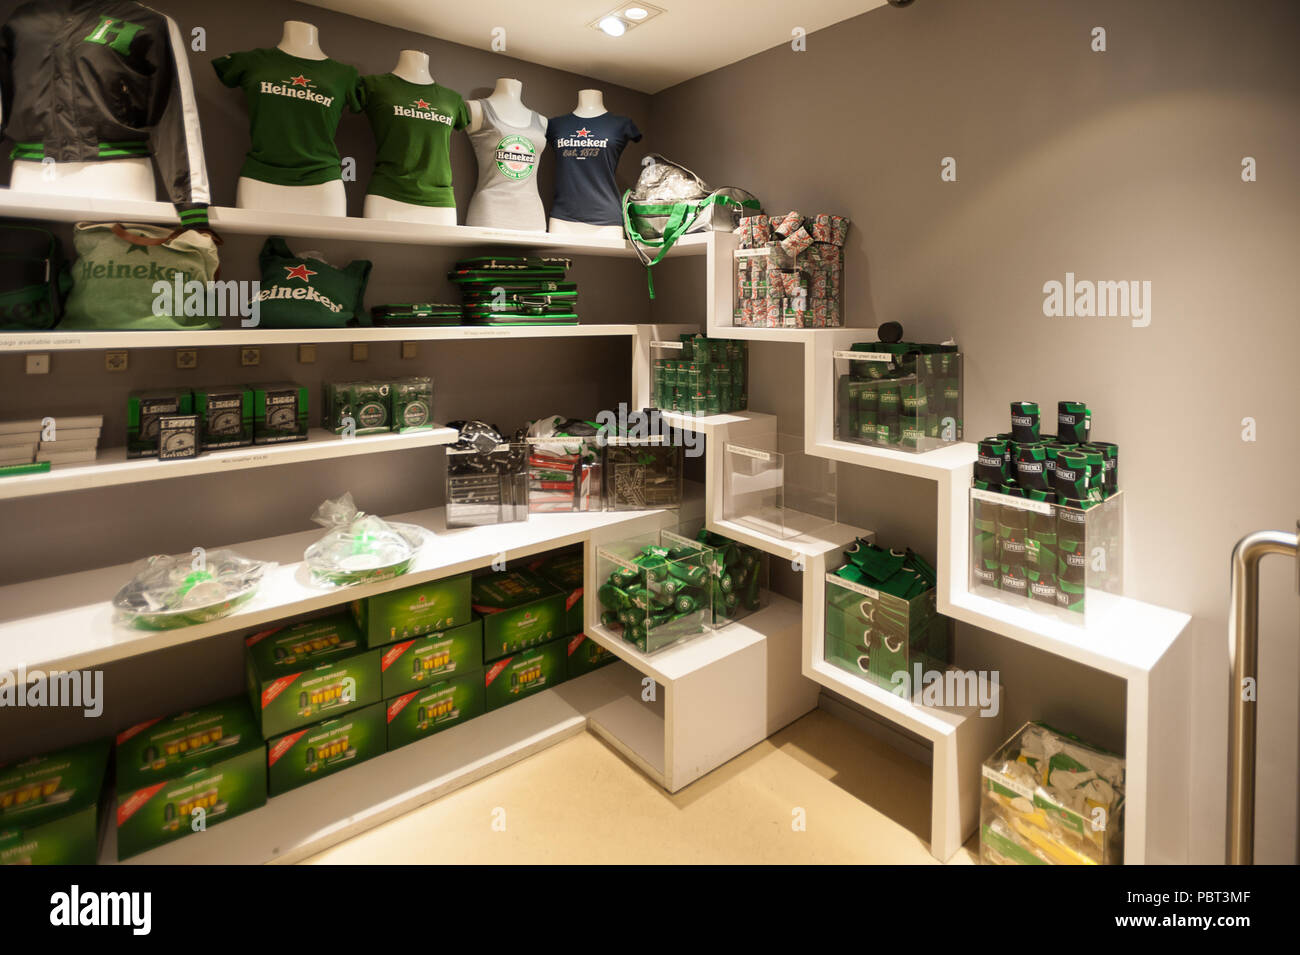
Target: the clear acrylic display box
(772, 486)
(642, 473)
(775, 289)
(879, 636)
(906, 400)
(739, 572)
(487, 487)
(564, 474)
(655, 589)
(1051, 558)
(699, 376)
(1049, 798)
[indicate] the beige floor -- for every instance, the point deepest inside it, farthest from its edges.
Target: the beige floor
(859, 800)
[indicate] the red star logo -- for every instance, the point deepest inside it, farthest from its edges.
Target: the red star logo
(298, 272)
(583, 132)
(421, 104)
(299, 80)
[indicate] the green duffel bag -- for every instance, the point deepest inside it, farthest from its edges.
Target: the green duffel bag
(115, 280)
(33, 278)
(300, 291)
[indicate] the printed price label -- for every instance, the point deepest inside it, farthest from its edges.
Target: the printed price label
(615, 559)
(676, 345)
(864, 355)
(850, 585)
(684, 541)
(1006, 500)
(487, 332)
(749, 452)
(1020, 789)
(750, 253)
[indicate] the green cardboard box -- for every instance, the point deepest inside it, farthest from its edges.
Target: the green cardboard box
(49, 806)
(314, 752)
(520, 610)
(186, 772)
(420, 713)
(564, 571)
(413, 611)
(525, 673)
(280, 413)
(307, 672)
(143, 411)
(584, 655)
(225, 417)
(417, 663)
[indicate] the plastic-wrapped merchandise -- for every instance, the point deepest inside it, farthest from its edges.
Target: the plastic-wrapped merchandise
(563, 465)
(1049, 798)
(359, 547)
(180, 590)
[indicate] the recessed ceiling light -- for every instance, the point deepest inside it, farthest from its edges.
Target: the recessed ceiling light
(621, 19)
(636, 13)
(612, 26)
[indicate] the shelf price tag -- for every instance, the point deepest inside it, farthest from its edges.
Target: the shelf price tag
(749, 452)
(864, 355)
(684, 541)
(1006, 500)
(615, 559)
(855, 587)
(1019, 788)
(676, 345)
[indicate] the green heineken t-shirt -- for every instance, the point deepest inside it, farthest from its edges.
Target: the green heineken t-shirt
(412, 124)
(294, 108)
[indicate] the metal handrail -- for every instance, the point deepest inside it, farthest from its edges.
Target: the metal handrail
(1243, 665)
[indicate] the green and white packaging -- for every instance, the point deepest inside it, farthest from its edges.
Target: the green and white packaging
(280, 412)
(583, 655)
(187, 772)
(143, 411)
(519, 609)
(49, 806)
(564, 571)
(413, 716)
(322, 749)
(309, 671)
(225, 417)
(413, 611)
(413, 664)
(412, 400)
(525, 673)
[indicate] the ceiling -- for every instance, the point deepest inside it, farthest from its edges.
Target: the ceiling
(690, 38)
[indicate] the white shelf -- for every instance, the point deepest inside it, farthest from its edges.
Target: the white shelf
(708, 425)
(72, 340)
(254, 222)
(928, 722)
(66, 622)
(930, 464)
(310, 819)
(113, 467)
(819, 538)
(794, 335)
(1123, 636)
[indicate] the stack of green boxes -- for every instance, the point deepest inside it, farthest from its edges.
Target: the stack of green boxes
(524, 639)
(431, 656)
(217, 418)
(377, 407)
(706, 377)
(900, 395)
(302, 680)
(880, 615)
(738, 574)
(186, 773)
(49, 806)
(657, 594)
(564, 570)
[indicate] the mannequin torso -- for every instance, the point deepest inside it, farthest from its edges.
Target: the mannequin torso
(591, 104)
(508, 140)
(325, 199)
(412, 66)
(507, 102)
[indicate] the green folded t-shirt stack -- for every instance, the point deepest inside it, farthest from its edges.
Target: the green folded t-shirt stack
(902, 573)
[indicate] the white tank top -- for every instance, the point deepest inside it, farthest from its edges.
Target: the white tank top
(506, 196)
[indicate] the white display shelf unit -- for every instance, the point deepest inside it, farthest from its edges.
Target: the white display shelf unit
(112, 467)
(55, 208)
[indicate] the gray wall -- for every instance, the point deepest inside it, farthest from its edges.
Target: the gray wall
(1117, 165)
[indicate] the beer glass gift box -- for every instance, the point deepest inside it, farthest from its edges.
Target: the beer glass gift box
(899, 395)
(313, 752)
(522, 674)
(519, 609)
(431, 709)
(655, 589)
(49, 806)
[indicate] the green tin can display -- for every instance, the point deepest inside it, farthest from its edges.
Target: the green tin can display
(187, 772)
(309, 671)
(413, 664)
(49, 806)
(520, 610)
(322, 749)
(413, 611)
(420, 713)
(522, 674)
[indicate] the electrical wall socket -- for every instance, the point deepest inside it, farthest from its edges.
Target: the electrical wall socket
(360, 351)
(38, 364)
(116, 361)
(248, 357)
(187, 358)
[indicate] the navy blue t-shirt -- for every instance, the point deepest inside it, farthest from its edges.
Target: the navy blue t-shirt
(587, 152)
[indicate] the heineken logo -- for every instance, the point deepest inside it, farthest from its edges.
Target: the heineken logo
(298, 272)
(422, 109)
(299, 293)
(296, 87)
(581, 140)
(516, 157)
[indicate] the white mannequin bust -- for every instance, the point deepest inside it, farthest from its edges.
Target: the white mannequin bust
(591, 103)
(325, 199)
(508, 103)
(412, 66)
